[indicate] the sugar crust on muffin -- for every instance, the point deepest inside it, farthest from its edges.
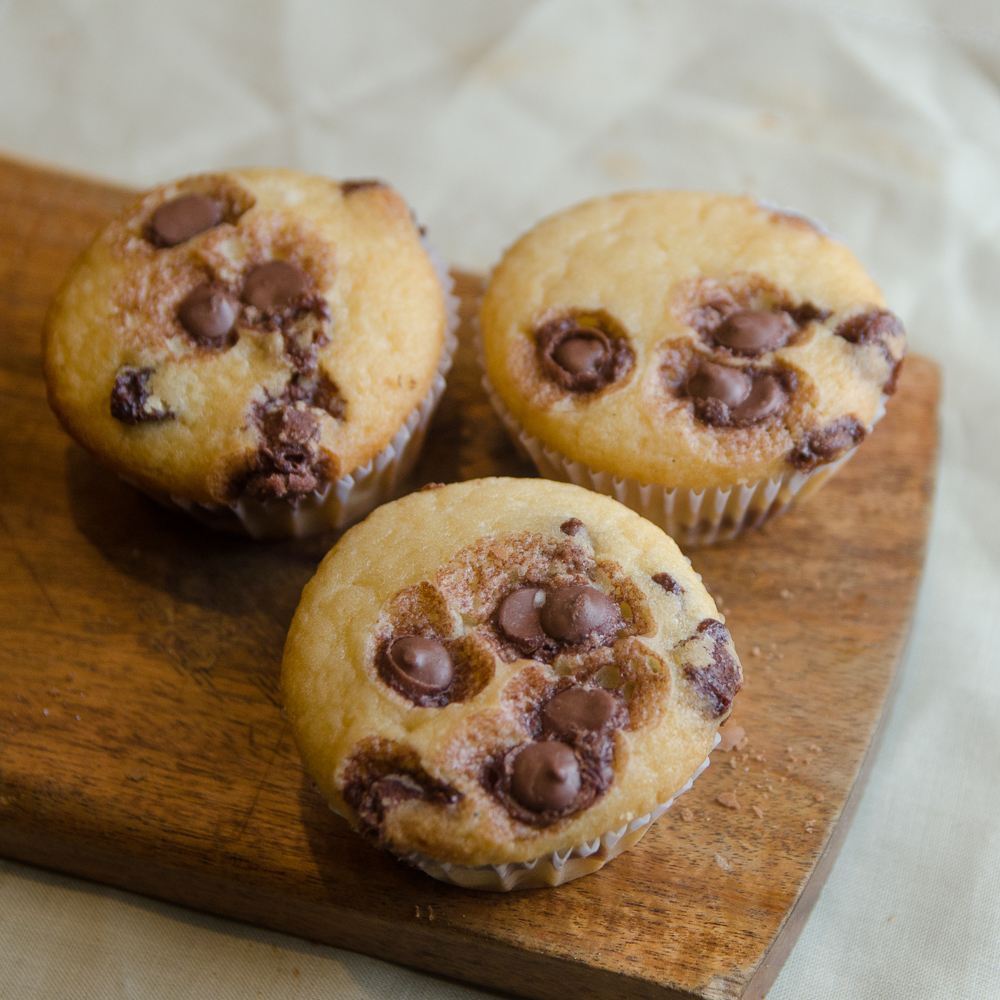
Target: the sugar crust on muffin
(662, 271)
(432, 775)
(324, 382)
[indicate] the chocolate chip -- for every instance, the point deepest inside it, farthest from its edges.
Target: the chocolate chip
(275, 285)
(545, 777)
(734, 397)
(572, 527)
(578, 710)
(751, 332)
(181, 218)
(728, 385)
(422, 666)
(518, 617)
(582, 358)
(827, 444)
(131, 402)
(668, 583)
(766, 398)
(581, 354)
(574, 614)
(208, 313)
(717, 678)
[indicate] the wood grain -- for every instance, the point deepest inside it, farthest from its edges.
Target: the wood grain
(142, 745)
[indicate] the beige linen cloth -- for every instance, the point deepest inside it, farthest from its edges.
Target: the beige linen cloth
(881, 119)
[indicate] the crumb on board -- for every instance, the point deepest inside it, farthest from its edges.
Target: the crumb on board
(724, 863)
(818, 796)
(758, 812)
(728, 799)
(731, 735)
(686, 814)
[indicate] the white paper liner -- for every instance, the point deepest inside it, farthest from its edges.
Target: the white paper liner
(555, 867)
(690, 517)
(344, 502)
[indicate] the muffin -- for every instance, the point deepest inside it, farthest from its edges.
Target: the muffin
(504, 682)
(701, 357)
(263, 348)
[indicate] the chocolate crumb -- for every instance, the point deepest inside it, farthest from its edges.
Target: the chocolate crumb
(381, 775)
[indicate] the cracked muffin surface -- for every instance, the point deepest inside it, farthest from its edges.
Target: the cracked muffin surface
(688, 339)
(489, 671)
(248, 334)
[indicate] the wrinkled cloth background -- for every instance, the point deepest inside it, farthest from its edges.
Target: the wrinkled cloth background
(881, 120)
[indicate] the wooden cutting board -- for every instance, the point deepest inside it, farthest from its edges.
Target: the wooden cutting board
(142, 743)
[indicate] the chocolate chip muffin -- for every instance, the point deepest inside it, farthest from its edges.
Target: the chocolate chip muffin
(701, 357)
(262, 347)
(506, 681)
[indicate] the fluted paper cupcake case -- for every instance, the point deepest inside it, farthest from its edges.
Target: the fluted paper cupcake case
(556, 867)
(690, 517)
(344, 502)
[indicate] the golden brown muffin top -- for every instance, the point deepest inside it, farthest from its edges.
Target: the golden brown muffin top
(486, 672)
(254, 332)
(688, 339)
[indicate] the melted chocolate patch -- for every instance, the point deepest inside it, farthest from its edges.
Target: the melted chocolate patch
(827, 444)
(131, 402)
(880, 327)
(181, 218)
(572, 527)
(716, 677)
(209, 314)
(290, 463)
(380, 775)
(668, 583)
(581, 357)
(807, 313)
